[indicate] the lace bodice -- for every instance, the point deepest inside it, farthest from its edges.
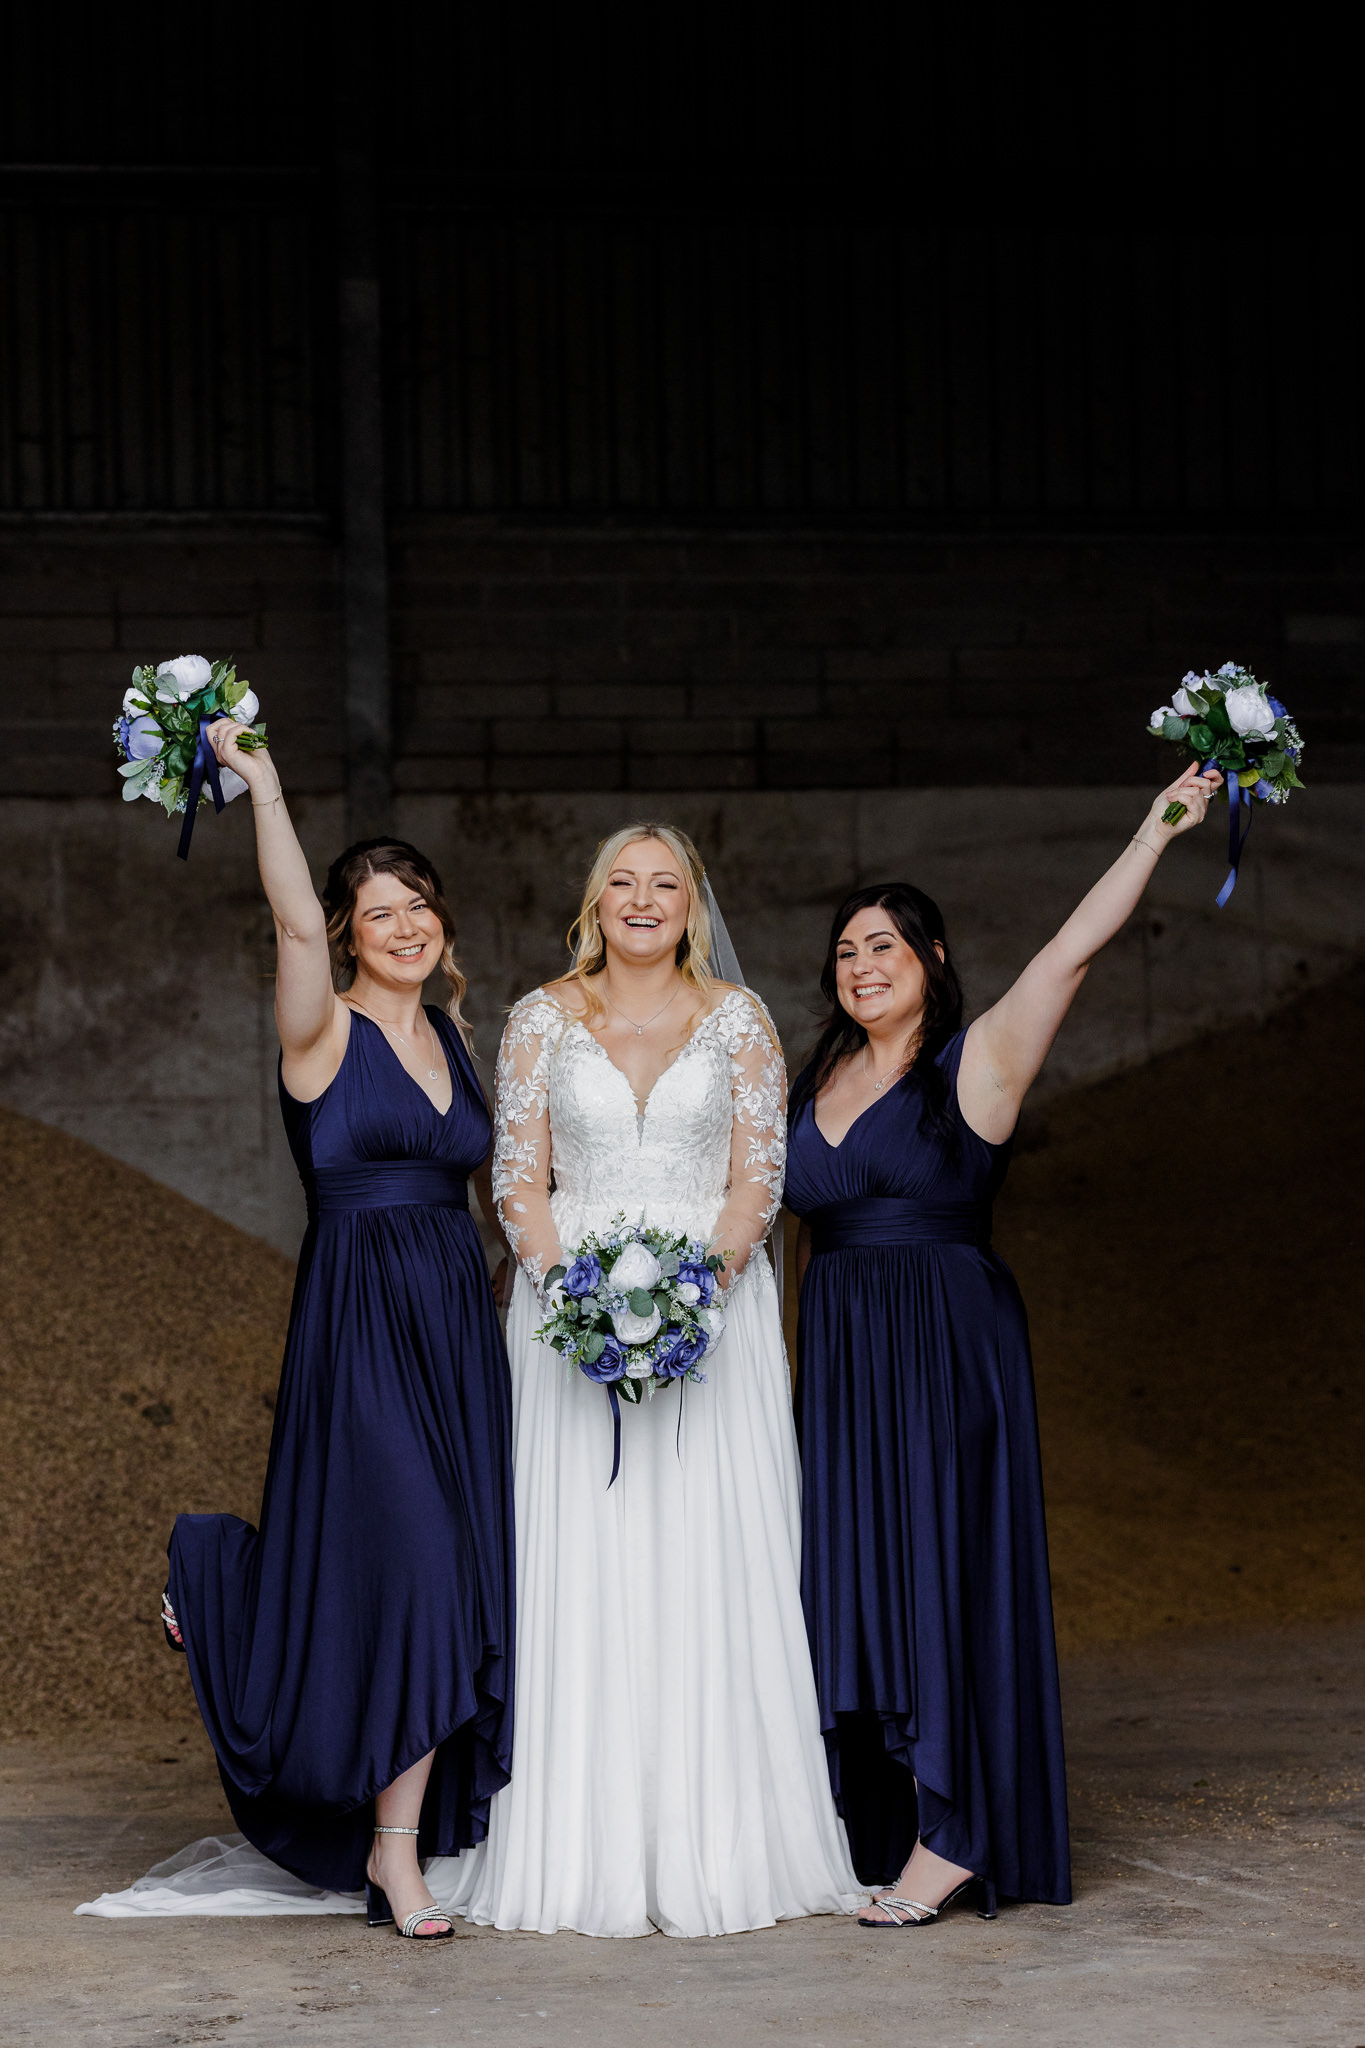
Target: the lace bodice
(573, 1149)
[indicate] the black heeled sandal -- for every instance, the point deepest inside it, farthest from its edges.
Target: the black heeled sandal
(913, 1913)
(379, 1913)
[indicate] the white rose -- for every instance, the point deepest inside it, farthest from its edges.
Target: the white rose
(1159, 717)
(713, 1322)
(134, 701)
(689, 1292)
(1181, 704)
(186, 674)
(636, 1266)
(633, 1329)
(1248, 712)
(639, 1369)
(246, 707)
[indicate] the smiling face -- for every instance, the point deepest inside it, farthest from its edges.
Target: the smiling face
(878, 975)
(643, 908)
(395, 937)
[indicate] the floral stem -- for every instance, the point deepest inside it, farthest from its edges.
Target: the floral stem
(1172, 814)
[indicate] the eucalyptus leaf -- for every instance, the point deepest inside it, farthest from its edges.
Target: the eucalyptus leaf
(640, 1301)
(1174, 728)
(594, 1344)
(555, 1273)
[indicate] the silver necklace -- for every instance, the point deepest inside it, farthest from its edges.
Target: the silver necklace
(887, 1079)
(640, 1029)
(433, 1072)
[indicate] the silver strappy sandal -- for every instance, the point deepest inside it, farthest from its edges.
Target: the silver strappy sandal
(913, 1913)
(379, 1913)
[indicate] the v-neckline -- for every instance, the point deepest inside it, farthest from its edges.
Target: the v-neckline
(450, 1065)
(867, 1111)
(642, 1109)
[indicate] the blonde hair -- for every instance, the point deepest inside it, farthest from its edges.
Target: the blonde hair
(585, 938)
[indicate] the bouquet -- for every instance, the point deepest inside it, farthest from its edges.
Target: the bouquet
(634, 1310)
(1231, 722)
(162, 734)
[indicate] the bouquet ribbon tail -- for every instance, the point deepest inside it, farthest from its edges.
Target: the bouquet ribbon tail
(615, 1401)
(1239, 799)
(205, 762)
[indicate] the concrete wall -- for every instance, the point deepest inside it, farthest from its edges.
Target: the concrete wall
(137, 991)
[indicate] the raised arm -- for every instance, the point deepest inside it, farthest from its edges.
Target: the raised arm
(312, 1022)
(521, 1140)
(758, 1141)
(1007, 1045)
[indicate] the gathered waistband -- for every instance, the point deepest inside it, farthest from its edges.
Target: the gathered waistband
(886, 1220)
(386, 1184)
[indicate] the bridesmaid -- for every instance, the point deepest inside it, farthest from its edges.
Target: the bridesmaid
(924, 1570)
(353, 1658)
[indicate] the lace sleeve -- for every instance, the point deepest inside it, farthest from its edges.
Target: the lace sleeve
(521, 1143)
(758, 1143)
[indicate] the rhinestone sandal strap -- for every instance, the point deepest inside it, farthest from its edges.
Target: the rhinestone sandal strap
(414, 1920)
(396, 1831)
(910, 1906)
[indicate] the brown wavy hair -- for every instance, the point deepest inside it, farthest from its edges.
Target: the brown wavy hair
(362, 863)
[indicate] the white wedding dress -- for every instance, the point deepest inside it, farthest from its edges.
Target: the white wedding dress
(668, 1769)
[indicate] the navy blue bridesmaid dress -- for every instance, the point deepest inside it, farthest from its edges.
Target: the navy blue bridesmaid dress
(924, 1559)
(370, 1619)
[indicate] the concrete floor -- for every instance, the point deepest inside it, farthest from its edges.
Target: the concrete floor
(1220, 1876)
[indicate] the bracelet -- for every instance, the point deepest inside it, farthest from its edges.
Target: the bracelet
(267, 806)
(1138, 840)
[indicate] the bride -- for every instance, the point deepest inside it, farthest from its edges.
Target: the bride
(668, 1766)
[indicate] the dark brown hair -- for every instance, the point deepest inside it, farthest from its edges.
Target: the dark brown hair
(361, 863)
(919, 921)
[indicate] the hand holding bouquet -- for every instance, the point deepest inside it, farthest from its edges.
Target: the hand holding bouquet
(1229, 721)
(162, 734)
(633, 1310)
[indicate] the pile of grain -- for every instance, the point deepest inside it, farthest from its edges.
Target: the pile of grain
(1187, 1241)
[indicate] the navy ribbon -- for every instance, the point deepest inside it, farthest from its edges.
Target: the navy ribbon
(205, 762)
(1239, 799)
(613, 1397)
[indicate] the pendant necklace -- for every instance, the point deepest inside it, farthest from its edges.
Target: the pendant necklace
(433, 1072)
(887, 1079)
(640, 1029)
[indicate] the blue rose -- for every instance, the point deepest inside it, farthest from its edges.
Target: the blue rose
(144, 739)
(680, 1355)
(583, 1275)
(609, 1365)
(695, 1273)
(1277, 707)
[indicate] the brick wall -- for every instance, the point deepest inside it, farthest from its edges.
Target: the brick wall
(539, 659)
